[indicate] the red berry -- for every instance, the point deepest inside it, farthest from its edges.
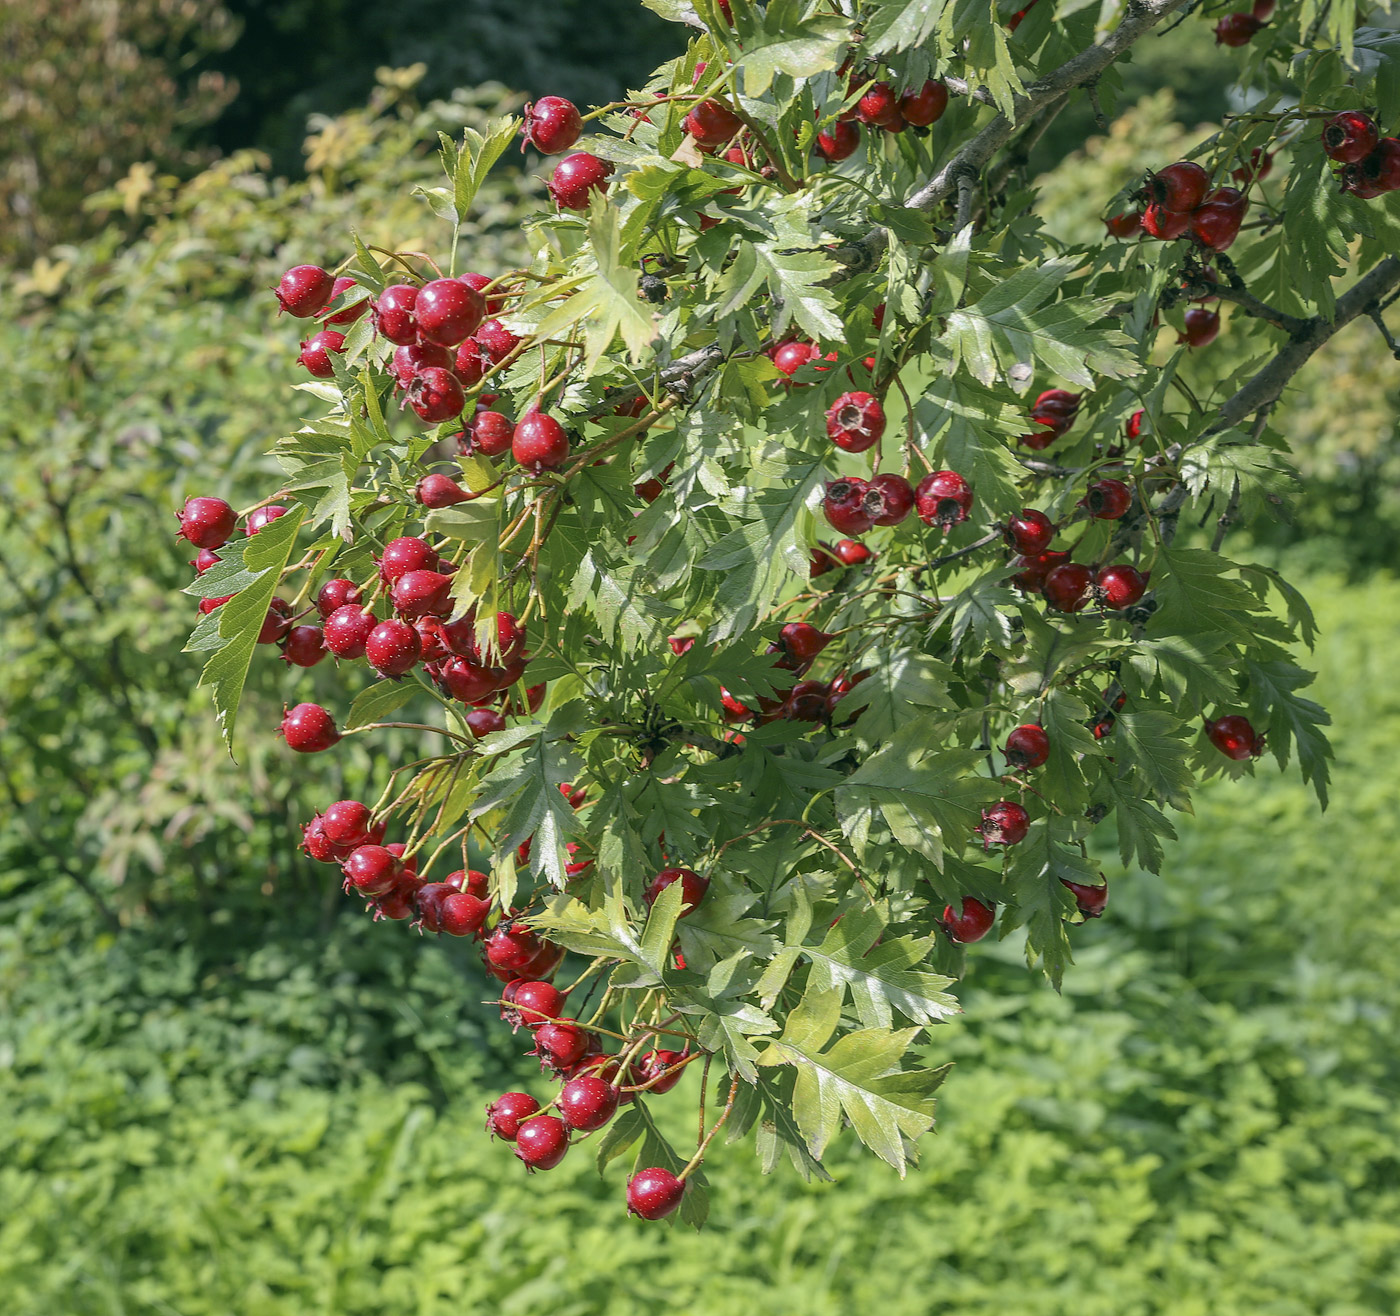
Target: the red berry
(1165, 224)
(308, 729)
(372, 870)
(888, 499)
(462, 914)
(205, 559)
(336, 593)
(1027, 747)
(315, 843)
(207, 523)
(1033, 570)
(693, 887)
(505, 1115)
(1216, 223)
(654, 1193)
(1234, 737)
(316, 352)
(1349, 137)
(348, 629)
(422, 594)
(712, 124)
(348, 822)
(540, 442)
(852, 553)
(535, 1003)
(1004, 824)
(1090, 899)
(262, 518)
(837, 142)
(1030, 532)
(440, 491)
(484, 721)
(1263, 10)
(1119, 586)
(304, 646)
(489, 434)
(448, 311)
(541, 1142)
(561, 1045)
(1126, 225)
(879, 106)
(513, 946)
(1133, 429)
(496, 341)
(408, 361)
(462, 679)
(436, 395)
(1107, 500)
(805, 702)
(1067, 587)
(393, 313)
(575, 177)
(1180, 187)
(802, 641)
(304, 290)
(654, 1064)
(587, 1103)
(972, 924)
(844, 506)
(925, 106)
(276, 623)
(943, 499)
(470, 880)
(408, 553)
(551, 125)
(855, 421)
(352, 312)
(1202, 326)
(1056, 404)
(790, 357)
(1236, 29)
(393, 648)
(1378, 173)
(1261, 165)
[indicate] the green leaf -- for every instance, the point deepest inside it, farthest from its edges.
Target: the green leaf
(797, 283)
(790, 44)
(1041, 900)
(1290, 719)
(1194, 596)
(375, 702)
(1152, 742)
(474, 159)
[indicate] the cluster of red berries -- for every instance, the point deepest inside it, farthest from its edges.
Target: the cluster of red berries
(1054, 411)
(877, 105)
(1370, 163)
(853, 505)
(1239, 29)
(795, 650)
(1178, 202)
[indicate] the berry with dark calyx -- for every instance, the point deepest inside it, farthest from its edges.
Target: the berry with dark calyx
(693, 887)
(505, 1115)
(316, 352)
(448, 311)
(348, 630)
(1234, 737)
(1119, 586)
(430, 632)
(407, 361)
(712, 124)
(1107, 500)
(925, 106)
(851, 552)
(654, 1064)
(1202, 327)
(462, 914)
(855, 421)
(1125, 225)
(539, 442)
(396, 904)
(513, 946)
(484, 721)
(347, 314)
(879, 106)
(428, 902)
(206, 523)
(552, 125)
(534, 1003)
(405, 554)
(1029, 532)
(436, 395)
(304, 646)
(971, 923)
(336, 593)
(889, 499)
(1237, 29)
(837, 142)
(1067, 587)
(470, 363)
(393, 313)
(304, 290)
(575, 177)
(309, 729)
(1027, 747)
(1349, 137)
(1164, 224)
(587, 1103)
(1033, 570)
(1005, 823)
(803, 641)
(439, 490)
(422, 594)
(943, 499)
(654, 1193)
(393, 648)
(1180, 187)
(541, 1142)
(372, 870)
(1216, 223)
(561, 1045)
(844, 506)
(1378, 173)
(262, 518)
(1090, 899)
(348, 822)
(489, 434)
(316, 845)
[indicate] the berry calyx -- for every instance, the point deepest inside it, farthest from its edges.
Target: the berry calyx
(1027, 747)
(693, 887)
(654, 1193)
(971, 923)
(316, 352)
(505, 1115)
(943, 499)
(448, 311)
(844, 506)
(1349, 137)
(207, 522)
(562, 1045)
(855, 421)
(1029, 532)
(304, 290)
(393, 314)
(393, 647)
(1107, 500)
(888, 500)
(587, 1103)
(1180, 187)
(1119, 586)
(1090, 899)
(1005, 823)
(541, 1141)
(552, 125)
(575, 177)
(539, 442)
(309, 729)
(1067, 587)
(1235, 737)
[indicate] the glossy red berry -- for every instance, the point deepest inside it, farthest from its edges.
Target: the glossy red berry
(461, 914)
(587, 1103)
(470, 682)
(539, 442)
(351, 312)
(806, 701)
(1029, 532)
(535, 1003)
(1132, 431)
(304, 646)
(317, 350)
(837, 142)
(1090, 899)
(505, 1115)
(407, 361)
(407, 553)
(1216, 223)
(693, 887)
(654, 1193)
(348, 822)
(1260, 166)
(971, 923)
(1119, 586)
(879, 106)
(844, 506)
(1107, 500)
(1056, 404)
(348, 630)
(1377, 174)
(484, 722)
(552, 125)
(802, 641)
(562, 1045)
(393, 647)
(1237, 29)
(262, 518)
(393, 313)
(204, 559)
(712, 124)
(925, 106)
(1180, 187)
(276, 623)
(438, 490)
(577, 176)
(1033, 570)
(855, 421)
(852, 553)
(513, 946)
(1125, 225)
(1027, 747)
(336, 593)
(659, 1069)
(372, 870)
(1234, 737)
(207, 522)
(1349, 137)
(436, 395)
(496, 341)
(943, 499)
(304, 290)
(1158, 222)
(1005, 823)
(315, 844)
(541, 1141)
(489, 434)
(1202, 327)
(1067, 587)
(308, 729)
(448, 311)
(790, 357)
(888, 499)
(422, 593)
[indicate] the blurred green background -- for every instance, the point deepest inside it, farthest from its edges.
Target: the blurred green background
(226, 1092)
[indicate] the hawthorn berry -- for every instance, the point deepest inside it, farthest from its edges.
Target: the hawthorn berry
(348, 629)
(206, 523)
(405, 554)
(1235, 737)
(791, 356)
(513, 946)
(393, 314)
(1216, 223)
(541, 1141)
(805, 702)
(654, 1193)
(587, 1103)
(470, 880)
(1090, 899)
(803, 641)
(561, 1045)
(1377, 174)
(1005, 823)
(1237, 29)
(467, 681)
(712, 124)
(879, 106)
(925, 106)
(308, 729)
(393, 647)
(1029, 532)
(316, 352)
(844, 506)
(1133, 429)
(837, 142)
(1180, 187)
(653, 1067)
(316, 845)
(436, 395)
(539, 442)
(1107, 500)
(1349, 137)
(1125, 225)
(943, 499)
(489, 434)
(496, 341)
(348, 822)
(438, 490)
(1067, 587)
(461, 914)
(1033, 570)
(407, 361)
(347, 314)
(972, 923)
(261, 518)
(422, 593)
(1027, 747)
(204, 559)
(534, 1003)
(505, 1115)
(448, 311)
(855, 421)
(575, 177)
(336, 593)
(372, 870)
(851, 552)
(304, 646)
(1202, 327)
(1159, 222)
(1260, 166)
(1118, 587)
(304, 290)
(484, 722)
(693, 887)
(276, 623)
(552, 125)
(889, 499)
